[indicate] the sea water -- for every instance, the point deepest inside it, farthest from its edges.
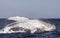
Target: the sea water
(51, 34)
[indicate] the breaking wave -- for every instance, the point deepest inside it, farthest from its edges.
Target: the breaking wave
(23, 24)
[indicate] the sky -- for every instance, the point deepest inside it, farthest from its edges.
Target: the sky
(30, 8)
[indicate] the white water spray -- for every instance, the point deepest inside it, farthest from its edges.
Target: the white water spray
(23, 24)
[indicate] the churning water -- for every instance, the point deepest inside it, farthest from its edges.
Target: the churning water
(21, 27)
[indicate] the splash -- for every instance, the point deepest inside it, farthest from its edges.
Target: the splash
(23, 24)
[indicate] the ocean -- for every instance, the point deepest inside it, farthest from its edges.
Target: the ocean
(51, 34)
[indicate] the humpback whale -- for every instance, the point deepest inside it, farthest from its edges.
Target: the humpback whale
(23, 24)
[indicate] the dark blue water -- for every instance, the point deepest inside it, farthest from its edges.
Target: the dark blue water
(53, 34)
